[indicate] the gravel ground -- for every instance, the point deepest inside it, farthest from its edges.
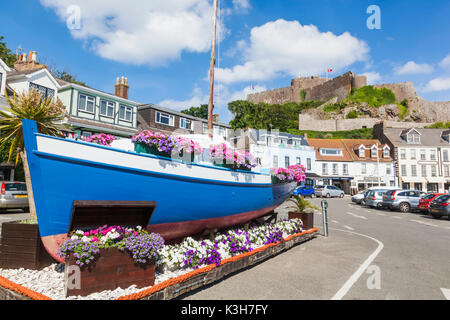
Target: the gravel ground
(51, 283)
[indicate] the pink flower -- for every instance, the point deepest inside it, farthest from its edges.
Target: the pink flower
(94, 239)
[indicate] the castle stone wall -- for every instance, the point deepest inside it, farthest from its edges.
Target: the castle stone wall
(404, 90)
(338, 87)
(307, 82)
(276, 96)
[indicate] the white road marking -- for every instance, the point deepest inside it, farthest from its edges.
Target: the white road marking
(335, 221)
(351, 281)
(349, 228)
(380, 214)
(395, 217)
(446, 293)
(424, 223)
(356, 216)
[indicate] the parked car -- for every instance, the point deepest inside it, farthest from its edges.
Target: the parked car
(424, 203)
(403, 200)
(359, 197)
(329, 191)
(305, 191)
(440, 207)
(13, 195)
(374, 198)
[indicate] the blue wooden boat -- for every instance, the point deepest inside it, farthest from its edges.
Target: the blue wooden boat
(190, 197)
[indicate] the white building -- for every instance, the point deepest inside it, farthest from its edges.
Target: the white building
(274, 149)
(422, 157)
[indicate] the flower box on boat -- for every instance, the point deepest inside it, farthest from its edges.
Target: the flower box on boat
(112, 269)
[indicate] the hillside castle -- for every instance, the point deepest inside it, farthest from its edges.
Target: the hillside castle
(422, 112)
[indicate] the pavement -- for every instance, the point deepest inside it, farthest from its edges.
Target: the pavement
(12, 215)
(370, 254)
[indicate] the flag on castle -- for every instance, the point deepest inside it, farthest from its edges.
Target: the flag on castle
(329, 70)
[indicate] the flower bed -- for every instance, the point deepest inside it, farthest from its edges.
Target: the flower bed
(196, 253)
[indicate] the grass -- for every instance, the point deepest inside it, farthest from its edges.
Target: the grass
(439, 125)
(29, 221)
(366, 133)
(374, 97)
(403, 111)
(335, 107)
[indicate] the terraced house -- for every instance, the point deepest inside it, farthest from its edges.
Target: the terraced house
(422, 157)
(93, 111)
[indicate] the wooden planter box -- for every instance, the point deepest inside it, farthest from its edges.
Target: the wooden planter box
(21, 247)
(306, 217)
(111, 269)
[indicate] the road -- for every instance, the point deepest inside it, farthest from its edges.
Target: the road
(369, 254)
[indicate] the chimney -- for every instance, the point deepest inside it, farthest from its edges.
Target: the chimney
(121, 88)
(215, 117)
(26, 62)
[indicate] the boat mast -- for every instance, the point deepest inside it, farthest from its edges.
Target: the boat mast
(211, 73)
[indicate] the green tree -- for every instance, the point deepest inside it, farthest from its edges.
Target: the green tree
(6, 54)
(64, 75)
(199, 112)
(28, 105)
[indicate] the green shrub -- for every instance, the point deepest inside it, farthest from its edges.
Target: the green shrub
(303, 95)
(439, 125)
(365, 133)
(335, 107)
(352, 114)
(402, 111)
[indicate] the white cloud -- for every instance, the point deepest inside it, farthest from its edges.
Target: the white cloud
(438, 84)
(241, 5)
(288, 48)
(445, 63)
(142, 32)
(413, 68)
(372, 77)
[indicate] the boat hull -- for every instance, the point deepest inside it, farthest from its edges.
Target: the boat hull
(189, 197)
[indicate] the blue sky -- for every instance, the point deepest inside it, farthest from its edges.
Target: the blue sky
(163, 46)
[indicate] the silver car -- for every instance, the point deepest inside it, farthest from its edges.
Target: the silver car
(13, 195)
(403, 200)
(374, 198)
(328, 191)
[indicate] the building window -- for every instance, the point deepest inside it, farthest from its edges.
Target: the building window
(445, 155)
(386, 153)
(402, 154)
(388, 169)
(308, 164)
(363, 168)
(403, 169)
(413, 154)
(107, 108)
(446, 171)
(324, 169)
(413, 138)
(299, 160)
(185, 124)
(413, 170)
(362, 152)
(335, 169)
(275, 161)
(424, 170)
(423, 154)
(164, 118)
(345, 169)
(126, 113)
(86, 103)
(331, 152)
(374, 152)
(433, 171)
(205, 128)
(45, 92)
(286, 162)
(219, 131)
(432, 154)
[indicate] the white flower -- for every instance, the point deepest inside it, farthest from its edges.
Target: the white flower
(85, 239)
(74, 238)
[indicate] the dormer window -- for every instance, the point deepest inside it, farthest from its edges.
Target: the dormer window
(386, 152)
(411, 136)
(446, 135)
(374, 152)
(331, 152)
(362, 151)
